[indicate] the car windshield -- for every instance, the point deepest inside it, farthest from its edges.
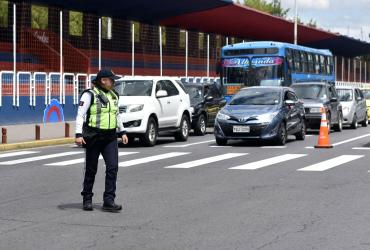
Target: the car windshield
(310, 91)
(367, 94)
(345, 95)
(134, 87)
(195, 93)
(257, 97)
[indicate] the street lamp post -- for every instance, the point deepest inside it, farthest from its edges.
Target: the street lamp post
(296, 23)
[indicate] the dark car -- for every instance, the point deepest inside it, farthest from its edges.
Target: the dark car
(317, 95)
(267, 113)
(206, 100)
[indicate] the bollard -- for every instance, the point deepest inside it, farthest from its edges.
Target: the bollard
(37, 132)
(66, 130)
(4, 138)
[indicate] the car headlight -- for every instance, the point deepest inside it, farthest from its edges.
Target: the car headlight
(315, 110)
(135, 108)
(221, 116)
(267, 118)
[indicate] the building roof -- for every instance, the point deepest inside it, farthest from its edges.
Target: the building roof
(220, 17)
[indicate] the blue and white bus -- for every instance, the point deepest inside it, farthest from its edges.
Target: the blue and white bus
(273, 64)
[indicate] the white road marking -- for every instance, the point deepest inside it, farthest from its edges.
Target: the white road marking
(188, 145)
(361, 148)
(17, 153)
(151, 159)
(82, 160)
(331, 163)
(220, 146)
(192, 164)
(39, 158)
(268, 162)
(351, 140)
(309, 147)
(273, 147)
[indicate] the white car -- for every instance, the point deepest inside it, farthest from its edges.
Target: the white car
(149, 105)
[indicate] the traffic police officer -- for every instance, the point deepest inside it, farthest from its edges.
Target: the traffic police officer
(96, 128)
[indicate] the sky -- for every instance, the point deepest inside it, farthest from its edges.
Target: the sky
(347, 17)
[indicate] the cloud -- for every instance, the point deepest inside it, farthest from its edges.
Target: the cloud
(308, 4)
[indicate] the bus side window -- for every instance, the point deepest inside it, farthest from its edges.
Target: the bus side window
(289, 57)
(317, 64)
(311, 63)
(322, 65)
(304, 62)
(329, 65)
(297, 61)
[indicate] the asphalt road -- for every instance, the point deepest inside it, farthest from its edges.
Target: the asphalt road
(194, 195)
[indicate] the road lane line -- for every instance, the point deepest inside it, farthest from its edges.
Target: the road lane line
(39, 158)
(361, 148)
(351, 140)
(268, 162)
(82, 160)
(273, 147)
(188, 145)
(151, 159)
(331, 163)
(204, 161)
(309, 147)
(18, 153)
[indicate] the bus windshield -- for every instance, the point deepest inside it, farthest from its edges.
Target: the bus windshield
(263, 71)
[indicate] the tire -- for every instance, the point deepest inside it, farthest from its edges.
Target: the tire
(183, 134)
(301, 135)
(201, 126)
(339, 126)
(282, 135)
(366, 121)
(221, 142)
(329, 122)
(149, 139)
(354, 123)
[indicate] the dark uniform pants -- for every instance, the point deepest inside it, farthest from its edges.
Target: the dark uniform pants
(108, 147)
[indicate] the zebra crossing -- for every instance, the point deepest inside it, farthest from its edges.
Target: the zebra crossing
(184, 160)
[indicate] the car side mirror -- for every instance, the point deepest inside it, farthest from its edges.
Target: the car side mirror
(161, 93)
(209, 98)
(334, 99)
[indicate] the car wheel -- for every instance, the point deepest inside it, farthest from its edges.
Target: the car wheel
(282, 135)
(339, 126)
(221, 142)
(183, 133)
(201, 126)
(301, 135)
(354, 123)
(149, 139)
(366, 121)
(329, 122)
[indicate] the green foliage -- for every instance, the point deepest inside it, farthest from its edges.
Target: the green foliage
(4, 13)
(39, 17)
(75, 23)
(273, 7)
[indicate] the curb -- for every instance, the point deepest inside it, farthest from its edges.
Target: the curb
(35, 144)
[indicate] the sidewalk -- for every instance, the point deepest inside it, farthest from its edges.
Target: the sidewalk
(24, 135)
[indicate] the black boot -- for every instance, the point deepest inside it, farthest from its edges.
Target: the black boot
(111, 207)
(87, 205)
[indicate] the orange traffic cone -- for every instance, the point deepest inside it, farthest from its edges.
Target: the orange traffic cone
(323, 141)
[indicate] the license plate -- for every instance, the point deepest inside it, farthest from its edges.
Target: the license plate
(241, 129)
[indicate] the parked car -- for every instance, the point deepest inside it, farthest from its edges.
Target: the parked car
(149, 105)
(366, 93)
(267, 113)
(206, 100)
(354, 106)
(317, 95)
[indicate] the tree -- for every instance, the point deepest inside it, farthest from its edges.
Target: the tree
(273, 7)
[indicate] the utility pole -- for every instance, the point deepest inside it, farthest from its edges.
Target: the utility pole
(296, 23)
